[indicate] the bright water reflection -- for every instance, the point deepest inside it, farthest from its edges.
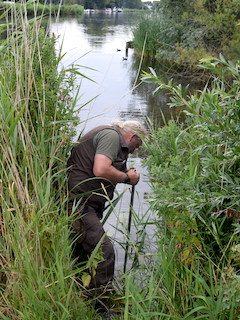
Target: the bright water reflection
(98, 41)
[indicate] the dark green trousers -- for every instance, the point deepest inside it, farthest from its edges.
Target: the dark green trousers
(88, 230)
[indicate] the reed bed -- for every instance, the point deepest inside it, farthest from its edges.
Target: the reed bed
(37, 117)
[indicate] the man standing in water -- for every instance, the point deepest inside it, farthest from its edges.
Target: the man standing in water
(96, 165)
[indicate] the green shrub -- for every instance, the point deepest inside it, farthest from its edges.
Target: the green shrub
(185, 31)
(195, 175)
(208, 160)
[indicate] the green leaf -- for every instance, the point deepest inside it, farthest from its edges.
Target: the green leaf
(86, 278)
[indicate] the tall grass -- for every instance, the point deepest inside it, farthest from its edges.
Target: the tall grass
(165, 37)
(146, 34)
(37, 124)
(181, 291)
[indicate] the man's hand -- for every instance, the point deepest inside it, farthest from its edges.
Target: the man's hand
(133, 175)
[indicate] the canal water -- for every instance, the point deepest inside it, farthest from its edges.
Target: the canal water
(96, 44)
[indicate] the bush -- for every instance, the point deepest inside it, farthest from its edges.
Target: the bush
(184, 30)
(206, 154)
(195, 174)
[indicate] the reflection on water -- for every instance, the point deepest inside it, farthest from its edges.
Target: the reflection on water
(98, 41)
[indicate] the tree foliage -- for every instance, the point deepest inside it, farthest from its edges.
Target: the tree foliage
(99, 4)
(186, 30)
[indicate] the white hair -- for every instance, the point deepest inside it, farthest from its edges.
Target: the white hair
(133, 126)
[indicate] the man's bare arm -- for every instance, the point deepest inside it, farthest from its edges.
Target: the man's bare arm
(103, 168)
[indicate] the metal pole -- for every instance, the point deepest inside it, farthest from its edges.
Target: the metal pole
(129, 227)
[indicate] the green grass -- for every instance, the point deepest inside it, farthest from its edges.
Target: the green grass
(170, 287)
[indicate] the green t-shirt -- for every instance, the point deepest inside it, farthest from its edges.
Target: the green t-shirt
(107, 142)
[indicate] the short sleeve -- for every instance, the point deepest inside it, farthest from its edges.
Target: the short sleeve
(107, 143)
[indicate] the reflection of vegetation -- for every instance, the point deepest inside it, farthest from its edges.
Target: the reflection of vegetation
(158, 104)
(185, 31)
(99, 4)
(97, 25)
(101, 24)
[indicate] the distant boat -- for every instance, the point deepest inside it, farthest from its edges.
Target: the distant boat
(114, 9)
(89, 10)
(108, 10)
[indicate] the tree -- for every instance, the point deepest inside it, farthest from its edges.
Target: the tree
(89, 4)
(119, 3)
(189, 30)
(100, 4)
(132, 4)
(219, 18)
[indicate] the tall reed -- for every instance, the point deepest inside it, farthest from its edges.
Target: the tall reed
(37, 124)
(173, 289)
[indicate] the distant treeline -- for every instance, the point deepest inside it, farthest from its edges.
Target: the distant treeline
(39, 8)
(100, 4)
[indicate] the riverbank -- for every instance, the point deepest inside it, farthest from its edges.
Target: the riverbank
(194, 169)
(184, 34)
